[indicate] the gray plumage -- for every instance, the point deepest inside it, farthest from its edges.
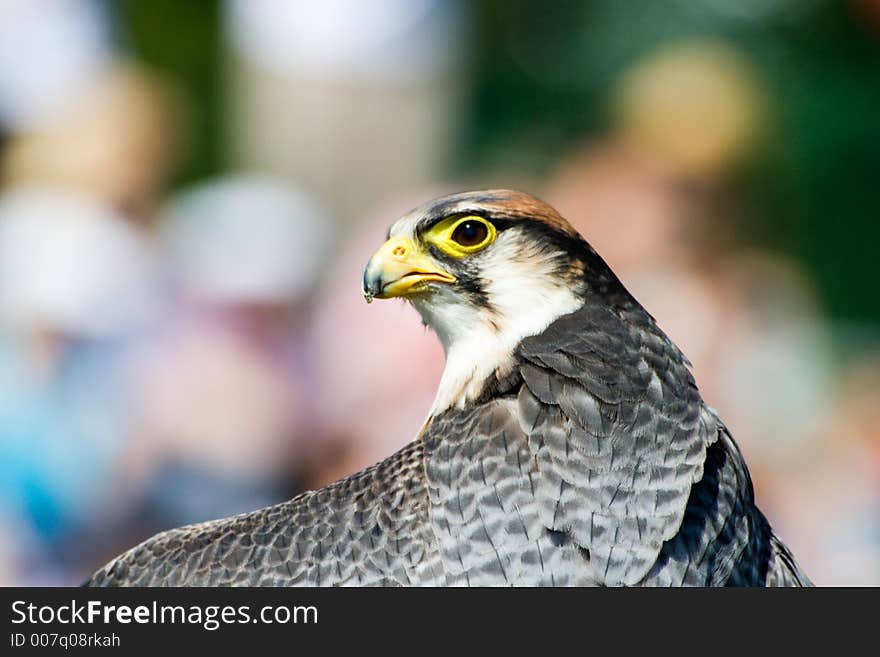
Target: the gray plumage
(583, 455)
(594, 462)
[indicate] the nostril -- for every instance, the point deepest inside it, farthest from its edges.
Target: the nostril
(399, 251)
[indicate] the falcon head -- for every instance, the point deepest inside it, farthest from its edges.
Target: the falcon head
(485, 270)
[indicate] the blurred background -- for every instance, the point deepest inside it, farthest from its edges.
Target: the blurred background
(188, 193)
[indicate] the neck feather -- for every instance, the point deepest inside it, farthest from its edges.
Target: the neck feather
(480, 342)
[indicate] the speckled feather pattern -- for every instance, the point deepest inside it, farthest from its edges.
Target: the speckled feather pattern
(596, 463)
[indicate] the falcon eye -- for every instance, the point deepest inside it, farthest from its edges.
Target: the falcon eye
(459, 236)
(470, 233)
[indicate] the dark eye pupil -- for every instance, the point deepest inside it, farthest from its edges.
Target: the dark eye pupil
(470, 233)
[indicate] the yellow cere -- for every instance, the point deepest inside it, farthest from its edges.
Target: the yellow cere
(443, 235)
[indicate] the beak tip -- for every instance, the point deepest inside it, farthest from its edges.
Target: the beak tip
(371, 285)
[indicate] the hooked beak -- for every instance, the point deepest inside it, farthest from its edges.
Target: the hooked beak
(399, 268)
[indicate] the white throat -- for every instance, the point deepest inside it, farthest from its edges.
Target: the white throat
(479, 343)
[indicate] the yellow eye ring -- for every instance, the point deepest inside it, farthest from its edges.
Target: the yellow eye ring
(461, 236)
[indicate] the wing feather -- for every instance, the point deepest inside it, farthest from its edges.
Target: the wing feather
(619, 435)
(368, 529)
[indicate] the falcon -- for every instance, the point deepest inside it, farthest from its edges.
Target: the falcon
(568, 443)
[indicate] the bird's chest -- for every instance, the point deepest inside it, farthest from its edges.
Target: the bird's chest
(488, 513)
